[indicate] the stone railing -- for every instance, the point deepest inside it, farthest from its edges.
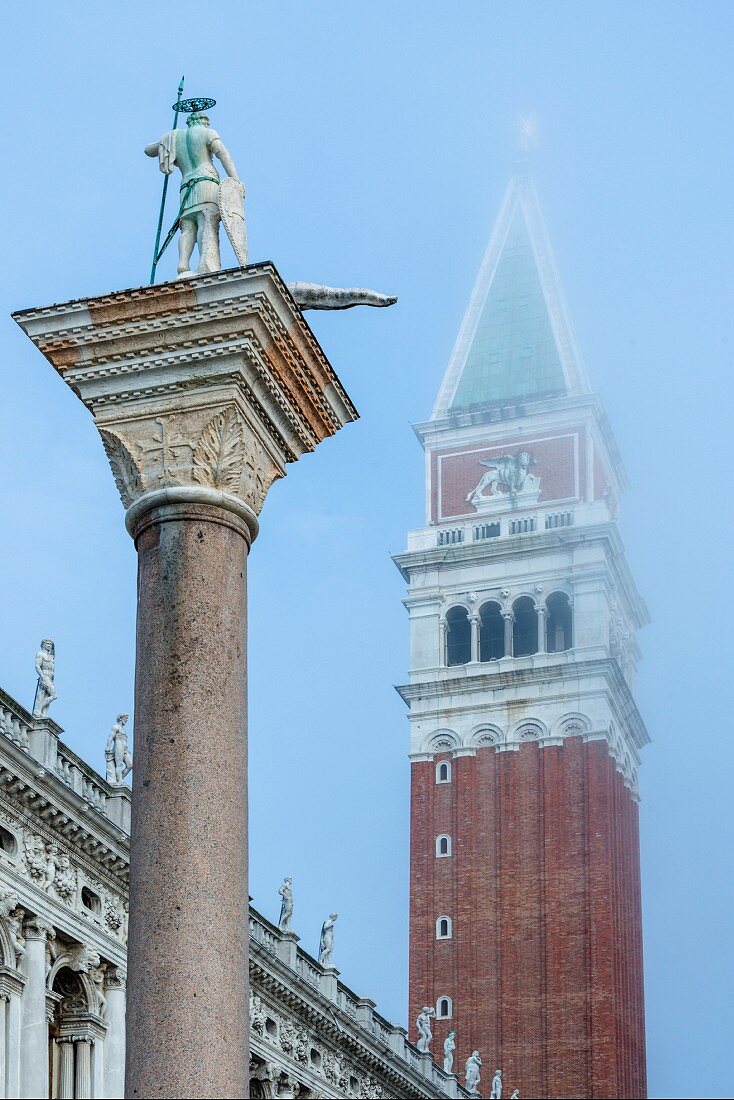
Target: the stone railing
(81, 778)
(359, 1012)
(484, 529)
(13, 722)
(40, 739)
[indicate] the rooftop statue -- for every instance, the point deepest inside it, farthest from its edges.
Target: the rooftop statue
(423, 1024)
(46, 670)
(118, 758)
(472, 1070)
(205, 201)
(326, 943)
(286, 905)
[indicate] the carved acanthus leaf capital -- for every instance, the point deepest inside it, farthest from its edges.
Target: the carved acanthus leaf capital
(195, 448)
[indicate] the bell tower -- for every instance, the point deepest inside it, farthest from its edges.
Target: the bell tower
(525, 922)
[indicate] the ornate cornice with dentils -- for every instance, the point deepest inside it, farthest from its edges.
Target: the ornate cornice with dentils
(42, 801)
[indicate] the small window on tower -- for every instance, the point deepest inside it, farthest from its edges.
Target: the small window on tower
(458, 636)
(443, 1008)
(443, 845)
(443, 772)
(443, 928)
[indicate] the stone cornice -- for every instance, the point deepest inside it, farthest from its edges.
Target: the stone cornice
(270, 977)
(496, 680)
(44, 802)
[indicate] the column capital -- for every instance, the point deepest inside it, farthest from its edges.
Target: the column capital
(508, 614)
(201, 391)
(116, 977)
(35, 928)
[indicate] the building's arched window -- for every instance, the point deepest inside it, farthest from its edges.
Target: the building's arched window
(444, 1008)
(443, 845)
(443, 928)
(558, 622)
(491, 632)
(524, 628)
(458, 636)
(443, 772)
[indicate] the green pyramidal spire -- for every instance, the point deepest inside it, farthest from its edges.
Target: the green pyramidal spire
(516, 342)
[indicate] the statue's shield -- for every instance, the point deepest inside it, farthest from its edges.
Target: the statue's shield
(231, 201)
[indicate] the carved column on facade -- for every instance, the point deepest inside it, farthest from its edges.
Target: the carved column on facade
(508, 617)
(82, 1068)
(442, 656)
(474, 626)
(34, 1026)
(11, 988)
(202, 391)
(114, 1043)
(540, 612)
(66, 1068)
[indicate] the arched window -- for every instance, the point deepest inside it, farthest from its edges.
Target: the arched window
(443, 772)
(443, 845)
(458, 636)
(558, 623)
(524, 628)
(443, 928)
(491, 632)
(444, 1008)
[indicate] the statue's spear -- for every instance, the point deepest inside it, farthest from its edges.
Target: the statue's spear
(176, 110)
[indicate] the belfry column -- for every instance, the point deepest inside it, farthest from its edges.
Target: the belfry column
(202, 391)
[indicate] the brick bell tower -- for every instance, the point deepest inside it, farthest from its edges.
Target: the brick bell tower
(525, 922)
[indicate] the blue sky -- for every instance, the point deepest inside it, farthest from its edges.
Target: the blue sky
(375, 142)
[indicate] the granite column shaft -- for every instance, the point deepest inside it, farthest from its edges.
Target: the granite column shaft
(188, 936)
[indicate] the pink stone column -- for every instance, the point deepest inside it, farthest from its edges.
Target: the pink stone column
(187, 1005)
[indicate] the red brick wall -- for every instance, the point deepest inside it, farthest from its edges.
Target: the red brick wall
(543, 887)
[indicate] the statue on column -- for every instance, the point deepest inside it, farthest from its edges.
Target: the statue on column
(496, 1093)
(472, 1070)
(192, 151)
(205, 200)
(326, 943)
(117, 753)
(423, 1023)
(46, 669)
(449, 1046)
(286, 905)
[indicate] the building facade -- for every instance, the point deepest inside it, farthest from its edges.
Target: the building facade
(525, 737)
(64, 865)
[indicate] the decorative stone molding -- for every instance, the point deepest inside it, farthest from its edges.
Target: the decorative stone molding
(207, 389)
